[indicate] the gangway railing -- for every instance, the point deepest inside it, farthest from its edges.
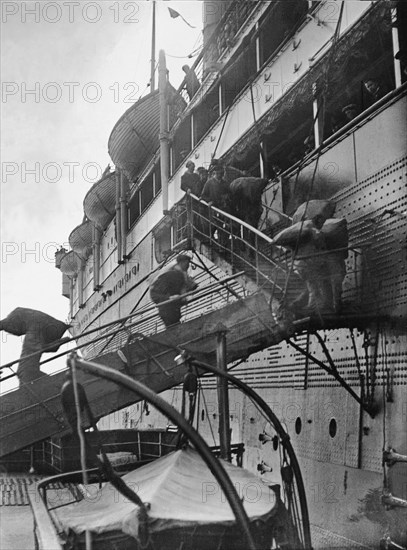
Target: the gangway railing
(33, 412)
(117, 334)
(245, 247)
(269, 266)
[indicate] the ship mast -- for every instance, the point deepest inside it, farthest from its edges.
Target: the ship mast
(152, 69)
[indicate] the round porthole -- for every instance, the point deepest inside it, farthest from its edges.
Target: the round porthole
(332, 427)
(298, 425)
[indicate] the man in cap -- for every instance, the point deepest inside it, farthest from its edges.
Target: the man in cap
(199, 222)
(203, 175)
(191, 181)
(350, 112)
(170, 285)
(216, 193)
(216, 190)
(374, 90)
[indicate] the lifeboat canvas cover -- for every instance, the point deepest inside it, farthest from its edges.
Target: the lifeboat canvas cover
(99, 204)
(180, 491)
(135, 136)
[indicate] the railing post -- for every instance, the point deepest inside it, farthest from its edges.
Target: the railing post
(210, 223)
(232, 240)
(190, 220)
(256, 248)
(223, 397)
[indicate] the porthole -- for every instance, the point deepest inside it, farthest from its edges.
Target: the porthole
(275, 442)
(203, 415)
(298, 425)
(332, 427)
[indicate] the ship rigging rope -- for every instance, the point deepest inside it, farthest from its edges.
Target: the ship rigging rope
(121, 320)
(80, 404)
(41, 402)
(213, 371)
(211, 274)
(192, 54)
(196, 439)
(194, 295)
(358, 365)
(385, 383)
(198, 405)
(207, 413)
(221, 131)
(254, 313)
(389, 75)
(320, 108)
(256, 127)
(268, 414)
(122, 323)
(81, 436)
(79, 421)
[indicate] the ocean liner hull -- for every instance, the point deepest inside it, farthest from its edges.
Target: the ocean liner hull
(274, 104)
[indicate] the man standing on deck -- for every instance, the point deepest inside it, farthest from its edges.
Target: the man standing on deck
(190, 183)
(216, 193)
(191, 81)
(169, 285)
(190, 180)
(216, 190)
(203, 175)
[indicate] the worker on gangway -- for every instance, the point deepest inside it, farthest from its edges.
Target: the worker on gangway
(42, 333)
(167, 289)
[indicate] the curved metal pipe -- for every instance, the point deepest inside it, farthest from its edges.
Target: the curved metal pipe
(165, 408)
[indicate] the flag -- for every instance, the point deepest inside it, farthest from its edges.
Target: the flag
(174, 14)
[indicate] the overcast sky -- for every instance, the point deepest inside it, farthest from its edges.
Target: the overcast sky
(69, 70)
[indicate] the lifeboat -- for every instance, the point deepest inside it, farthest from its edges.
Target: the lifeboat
(135, 137)
(99, 202)
(81, 238)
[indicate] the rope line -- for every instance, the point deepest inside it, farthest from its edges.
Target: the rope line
(320, 108)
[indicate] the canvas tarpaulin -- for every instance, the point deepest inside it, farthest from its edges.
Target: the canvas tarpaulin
(180, 490)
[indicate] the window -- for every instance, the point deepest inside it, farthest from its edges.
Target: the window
(288, 139)
(239, 73)
(278, 24)
(182, 143)
(147, 192)
(369, 59)
(162, 241)
(157, 179)
(134, 209)
(206, 114)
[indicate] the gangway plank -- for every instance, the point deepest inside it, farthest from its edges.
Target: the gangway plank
(33, 413)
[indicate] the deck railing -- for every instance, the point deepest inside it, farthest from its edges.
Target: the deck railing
(269, 266)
